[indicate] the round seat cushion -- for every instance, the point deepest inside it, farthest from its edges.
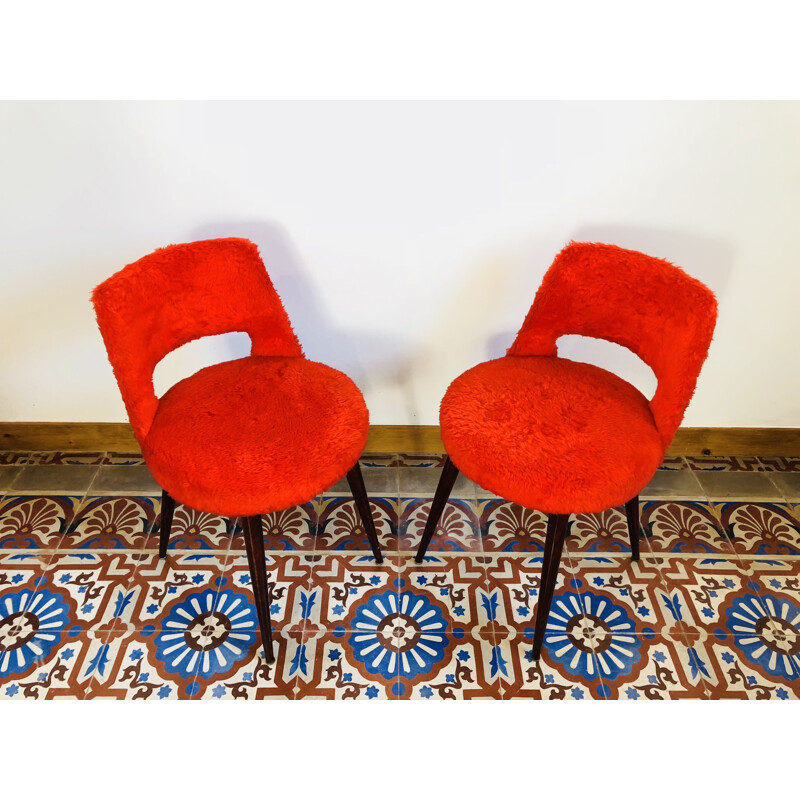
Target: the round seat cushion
(550, 433)
(255, 435)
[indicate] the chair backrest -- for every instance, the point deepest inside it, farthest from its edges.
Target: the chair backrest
(645, 304)
(180, 293)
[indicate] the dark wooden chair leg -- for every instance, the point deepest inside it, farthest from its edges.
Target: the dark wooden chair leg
(445, 486)
(632, 513)
(556, 532)
(167, 511)
(254, 542)
(356, 481)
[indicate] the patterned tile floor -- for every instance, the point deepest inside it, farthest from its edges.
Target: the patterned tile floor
(88, 610)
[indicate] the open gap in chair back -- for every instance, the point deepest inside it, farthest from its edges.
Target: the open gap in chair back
(643, 303)
(181, 293)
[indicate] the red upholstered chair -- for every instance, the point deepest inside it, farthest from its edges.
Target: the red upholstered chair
(565, 437)
(244, 437)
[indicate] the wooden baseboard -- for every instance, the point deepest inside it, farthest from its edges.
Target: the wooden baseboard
(118, 436)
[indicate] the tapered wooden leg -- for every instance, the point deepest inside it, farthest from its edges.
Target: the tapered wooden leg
(254, 542)
(556, 531)
(446, 482)
(356, 481)
(632, 513)
(167, 511)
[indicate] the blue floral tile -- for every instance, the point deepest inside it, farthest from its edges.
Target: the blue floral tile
(129, 667)
(549, 678)
(450, 583)
(340, 583)
(462, 668)
(62, 668)
(631, 587)
(159, 582)
(96, 584)
(750, 667)
(328, 667)
(511, 593)
(650, 667)
(292, 600)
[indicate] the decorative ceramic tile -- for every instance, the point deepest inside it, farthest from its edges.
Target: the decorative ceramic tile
(725, 463)
(96, 583)
(712, 609)
(22, 574)
(458, 528)
(421, 459)
(379, 460)
(49, 667)
(292, 529)
(738, 667)
(761, 528)
(603, 532)
(778, 575)
(508, 600)
(67, 459)
(649, 667)
(623, 592)
(109, 523)
(450, 589)
(32, 522)
(695, 593)
(508, 527)
(552, 677)
(456, 667)
(339, 666)
(340, 584)
(124, 459)
(780, 464)
(340, 527)
(193, 530)
(289, 578)
(13, 457)
(158, 582)
(684, 527)
(674, 462)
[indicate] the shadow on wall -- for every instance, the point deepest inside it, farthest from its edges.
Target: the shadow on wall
(370, 360)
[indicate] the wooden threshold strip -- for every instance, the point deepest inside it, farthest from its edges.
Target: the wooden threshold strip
(118, 436)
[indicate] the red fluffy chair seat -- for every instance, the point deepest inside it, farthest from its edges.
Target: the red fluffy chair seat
(255, 435)
(550, 433)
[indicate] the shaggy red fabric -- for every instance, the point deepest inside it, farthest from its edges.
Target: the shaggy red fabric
(240, 438)
(180, 293)
(256, 435)
(550, 433)
(566, 437)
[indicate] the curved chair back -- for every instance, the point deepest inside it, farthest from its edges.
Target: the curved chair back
(645, 304)
(180, 293)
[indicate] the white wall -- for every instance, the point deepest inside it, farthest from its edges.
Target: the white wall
(407, 240)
